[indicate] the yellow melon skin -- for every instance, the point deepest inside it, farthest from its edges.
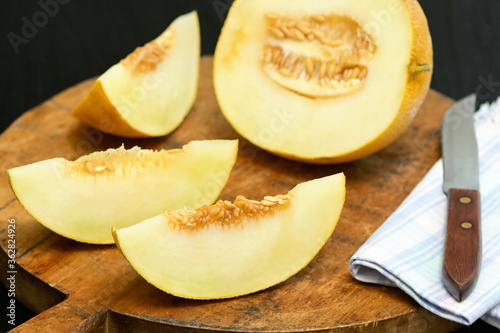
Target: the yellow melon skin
(83, 199)
(221, 260)
(301, 121)
(150, 92)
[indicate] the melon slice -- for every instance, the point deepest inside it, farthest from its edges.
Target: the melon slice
(234, 248)
(150, 92)
(322, 81)
(83, 199)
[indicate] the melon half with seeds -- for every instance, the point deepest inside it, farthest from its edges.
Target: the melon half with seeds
(83, 199)
(235, 248)
(150, 92)
(336, 80)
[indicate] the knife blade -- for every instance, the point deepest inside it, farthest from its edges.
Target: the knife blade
(462, 254)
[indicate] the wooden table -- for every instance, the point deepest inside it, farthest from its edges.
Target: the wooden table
(88, 288)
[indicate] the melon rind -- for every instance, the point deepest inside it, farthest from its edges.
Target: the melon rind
(220, 262)
(83, 207)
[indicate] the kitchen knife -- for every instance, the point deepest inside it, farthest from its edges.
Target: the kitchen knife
(462, 256)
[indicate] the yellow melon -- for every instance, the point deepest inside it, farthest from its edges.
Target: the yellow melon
(83, 199)
(322, 81)
(235, 248)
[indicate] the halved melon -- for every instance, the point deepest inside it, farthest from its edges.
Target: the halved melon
(235, 248)
(150, 92)
(83, 199)
(322, 81)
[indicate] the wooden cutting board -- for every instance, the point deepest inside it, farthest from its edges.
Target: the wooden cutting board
(88, 288)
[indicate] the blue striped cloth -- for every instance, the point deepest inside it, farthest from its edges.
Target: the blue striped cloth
(407, 250)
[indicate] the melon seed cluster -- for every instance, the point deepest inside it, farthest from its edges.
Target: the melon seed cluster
(226, 213)
(145, 58)
(120, 161)
(317, 56)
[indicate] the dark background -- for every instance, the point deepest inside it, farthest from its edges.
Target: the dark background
(49, 45)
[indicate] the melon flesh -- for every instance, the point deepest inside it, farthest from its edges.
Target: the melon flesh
(150, 92)
(185, 256)
(324, 81)
(83, 199)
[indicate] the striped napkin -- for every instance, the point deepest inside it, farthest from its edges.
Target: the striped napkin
(407, 250)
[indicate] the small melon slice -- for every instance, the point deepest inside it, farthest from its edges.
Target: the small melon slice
(83, 199)
(322, 81)
(150, 92)
(234, 248)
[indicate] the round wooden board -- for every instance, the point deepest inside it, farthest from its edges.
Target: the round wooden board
(87, 288)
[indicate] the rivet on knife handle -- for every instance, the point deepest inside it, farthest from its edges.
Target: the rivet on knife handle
(463, 242)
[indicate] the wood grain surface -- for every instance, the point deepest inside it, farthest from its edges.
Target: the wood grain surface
(88, 288)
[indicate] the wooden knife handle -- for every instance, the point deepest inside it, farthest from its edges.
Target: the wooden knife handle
(462, 256)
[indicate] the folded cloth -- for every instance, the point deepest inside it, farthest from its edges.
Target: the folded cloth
(407, 250)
